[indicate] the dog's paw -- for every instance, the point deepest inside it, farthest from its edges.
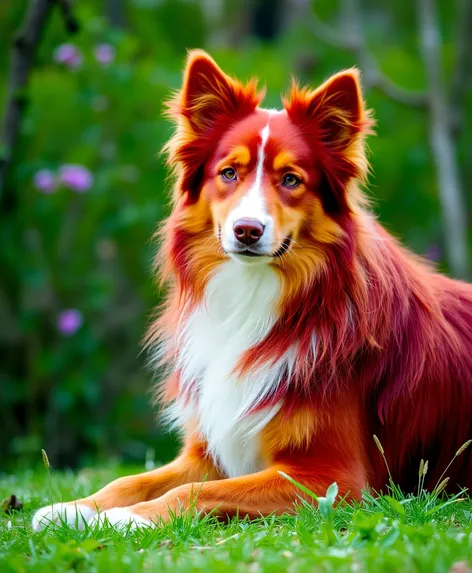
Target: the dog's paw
(119, 518)
(75, 515)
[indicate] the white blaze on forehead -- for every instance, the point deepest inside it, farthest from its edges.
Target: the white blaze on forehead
(264, 136)
(261, 157)
(252, 205)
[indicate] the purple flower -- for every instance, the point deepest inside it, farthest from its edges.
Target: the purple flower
(69, 321)
(69, 55)
(104, 54)
(45, 181)
(76, 177)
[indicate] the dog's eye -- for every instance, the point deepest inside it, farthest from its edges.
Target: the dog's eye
(290, 181)
(229, 174)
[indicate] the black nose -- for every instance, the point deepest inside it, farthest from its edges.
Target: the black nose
(248, 231)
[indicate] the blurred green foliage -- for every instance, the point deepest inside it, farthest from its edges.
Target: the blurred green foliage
(86, 394)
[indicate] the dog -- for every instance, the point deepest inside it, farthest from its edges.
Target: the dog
(295, 326)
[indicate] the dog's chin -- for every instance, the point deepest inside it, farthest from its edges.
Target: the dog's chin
(250, 259)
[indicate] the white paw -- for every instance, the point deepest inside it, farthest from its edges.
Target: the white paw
(119, 518)
(70, 513)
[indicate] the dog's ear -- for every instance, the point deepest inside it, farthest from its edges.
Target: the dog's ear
(334, 120)
(336, 108)
(206, 106)
(209, 96)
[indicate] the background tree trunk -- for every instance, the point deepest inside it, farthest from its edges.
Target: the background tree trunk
(442, 144)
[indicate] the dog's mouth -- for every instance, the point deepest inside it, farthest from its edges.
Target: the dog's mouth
(254, 252)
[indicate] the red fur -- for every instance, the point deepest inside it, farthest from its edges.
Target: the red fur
(393, 353)
(387, 325)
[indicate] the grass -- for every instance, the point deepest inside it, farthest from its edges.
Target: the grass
(382, 534)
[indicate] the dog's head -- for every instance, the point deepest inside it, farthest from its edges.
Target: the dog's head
(257, 185)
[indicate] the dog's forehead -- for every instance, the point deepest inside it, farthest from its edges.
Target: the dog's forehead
(272, 128)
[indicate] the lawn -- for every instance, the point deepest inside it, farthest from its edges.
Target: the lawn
(403, 533)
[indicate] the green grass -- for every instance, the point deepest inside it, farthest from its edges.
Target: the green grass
(401, 533)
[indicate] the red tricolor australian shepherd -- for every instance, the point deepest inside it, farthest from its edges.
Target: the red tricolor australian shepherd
(295, 326)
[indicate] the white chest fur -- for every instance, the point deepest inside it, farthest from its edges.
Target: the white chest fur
(237, 313)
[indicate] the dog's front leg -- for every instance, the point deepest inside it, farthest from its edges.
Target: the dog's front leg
(253, 495)
(315, 447)
(192, 465)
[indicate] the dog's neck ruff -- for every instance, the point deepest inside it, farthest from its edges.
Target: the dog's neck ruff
(238, 311)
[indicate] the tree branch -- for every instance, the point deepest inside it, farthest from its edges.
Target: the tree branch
(72, 25)
(352, 40)
(442, 144)
(24, 47)
(463, 65)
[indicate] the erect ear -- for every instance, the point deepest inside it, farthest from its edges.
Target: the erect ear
(335, 121)
(209, 95)
(336, 108)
